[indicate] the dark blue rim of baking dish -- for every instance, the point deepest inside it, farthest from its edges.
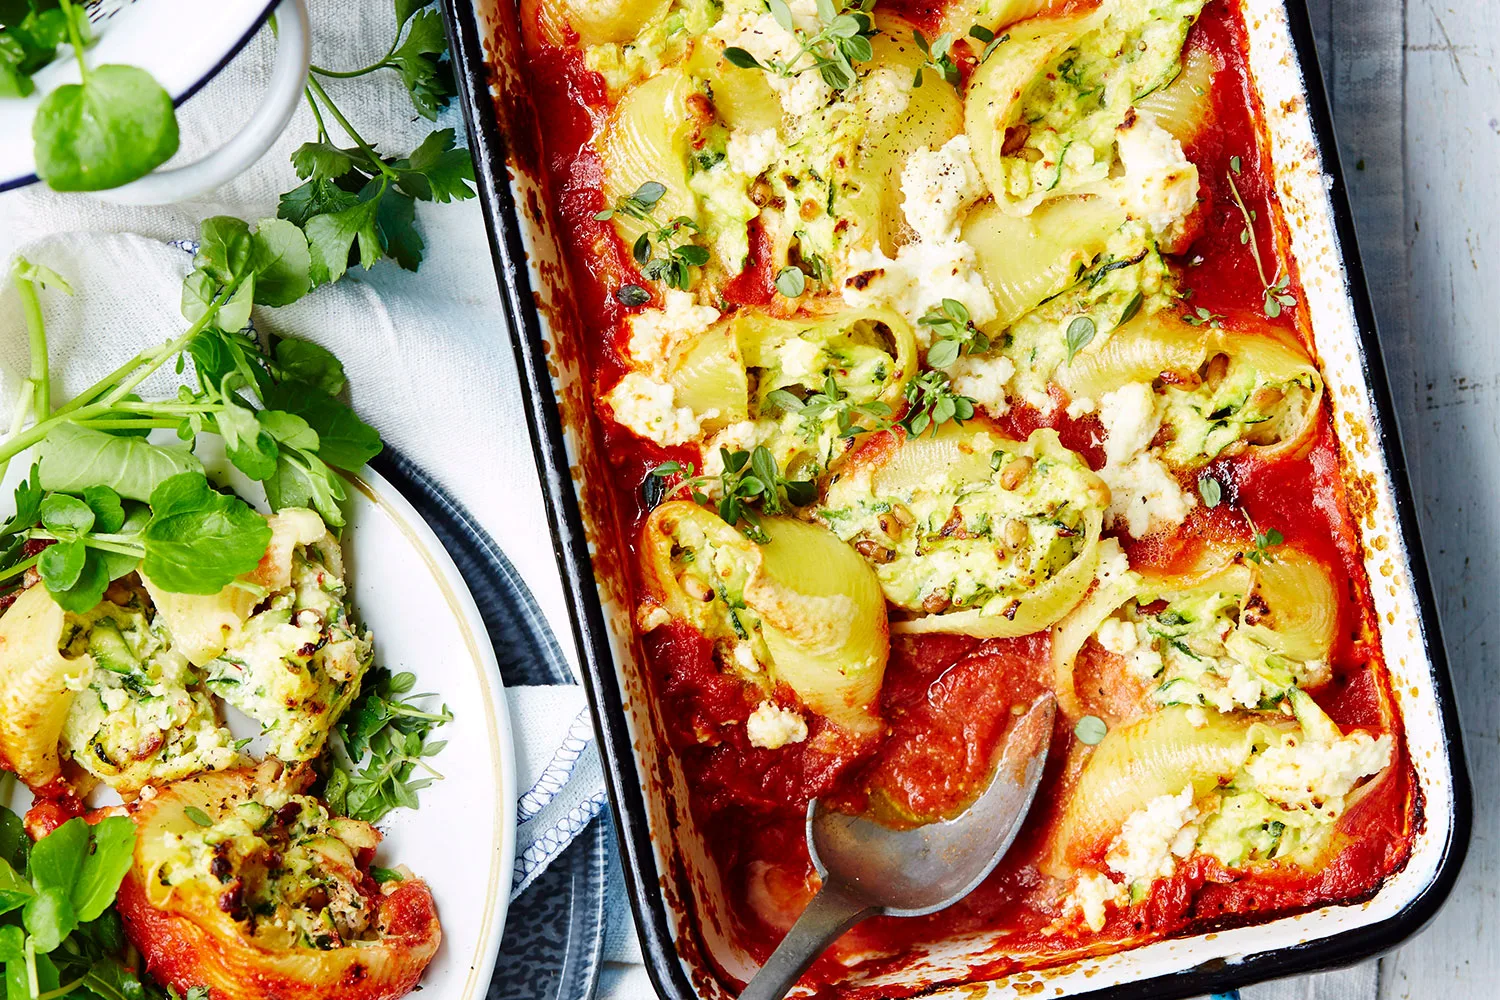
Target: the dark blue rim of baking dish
(642, 877)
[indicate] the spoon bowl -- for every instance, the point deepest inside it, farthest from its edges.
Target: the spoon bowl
(868, 869)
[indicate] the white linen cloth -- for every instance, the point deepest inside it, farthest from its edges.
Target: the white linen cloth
(430, 366)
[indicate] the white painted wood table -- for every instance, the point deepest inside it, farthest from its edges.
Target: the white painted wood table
(1416, 103)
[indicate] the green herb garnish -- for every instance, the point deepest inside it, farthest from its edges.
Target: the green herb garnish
(842, 39)
(931, 402)
(384, 739)
(954, 333)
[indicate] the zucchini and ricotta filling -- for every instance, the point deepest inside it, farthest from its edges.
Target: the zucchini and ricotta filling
(973, 524)
(284, 868)
(297, 662)
(140, 715)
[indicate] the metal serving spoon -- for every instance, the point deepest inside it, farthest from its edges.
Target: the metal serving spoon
(868, 869)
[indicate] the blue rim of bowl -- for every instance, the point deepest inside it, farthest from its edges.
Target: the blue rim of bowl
(199, 84)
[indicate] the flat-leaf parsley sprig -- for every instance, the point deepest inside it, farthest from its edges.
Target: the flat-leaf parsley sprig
(386, 730)
(842, 39)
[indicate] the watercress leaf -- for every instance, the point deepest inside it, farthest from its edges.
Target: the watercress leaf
(61, 564)
(304, 361)
(110, 130)
(108, 979)
(311, 485)
(199, 540)
(288, 429)
(282, 263)
(198, 291)
(322, 161)
(436, 171)
(394, 221)
(250, 446)
(331, 237)
(344, 440)
(225, 249)
(49, 918)
(118, 564)
(57, 859)
(14, 892)
(85, 593)
(109, 513)
(15, 845)
(113, 847)
(314, 198)
(234, 315)
(63, 513)
(73, 458)
(13, 945)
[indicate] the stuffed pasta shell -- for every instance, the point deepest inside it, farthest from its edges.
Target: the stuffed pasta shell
(970, 532)
(101, 696)
(798, 608)
(245, 885)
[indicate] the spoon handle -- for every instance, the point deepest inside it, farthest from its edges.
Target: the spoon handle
(832, 912)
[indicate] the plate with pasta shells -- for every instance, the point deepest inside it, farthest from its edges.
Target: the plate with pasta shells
(290, 748)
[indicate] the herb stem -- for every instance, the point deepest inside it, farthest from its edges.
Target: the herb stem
(36, 333)
(19, 567)
(317, 115)
(62, 990)
(1234, 189)
(98, 542)
(338, 116)
(83, 71)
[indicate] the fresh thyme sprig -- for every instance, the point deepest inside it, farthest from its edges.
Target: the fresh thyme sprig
(842, 40)
(873, 416)
(658, 250)
(387, 731)
(989, 38)
(749, 480)
(1203, 317)
(932, 403)
(955, 333)
(938, 57)
(1275, 295)
(1264, 542)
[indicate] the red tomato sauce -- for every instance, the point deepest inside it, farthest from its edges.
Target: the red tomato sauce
(947, 700)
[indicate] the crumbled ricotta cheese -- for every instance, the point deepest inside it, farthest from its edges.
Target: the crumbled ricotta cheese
(1091, 894)
(656, 333)
(921, 276)
(1314, 775)
(648, 407)
(1144, 496)
(651, 616)
(744, 658)
(763, 37)
(1118, 636)
(1154, 837)
(1114, 564)
(1197, 717)
(1130, 421)
(771, 726)
(1160, 186)
(752, 153)
(886, 93)
(799, 358)
(938, 185)
(1081, 407)
(742, 436)
(983, 379)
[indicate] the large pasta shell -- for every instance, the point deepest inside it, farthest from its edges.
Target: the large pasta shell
(593, 22)
(646, 139)
(188, 941)
(1183, 106)
(36, 686)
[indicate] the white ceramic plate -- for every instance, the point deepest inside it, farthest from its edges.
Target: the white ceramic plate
(182, 43)
(462, 839)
